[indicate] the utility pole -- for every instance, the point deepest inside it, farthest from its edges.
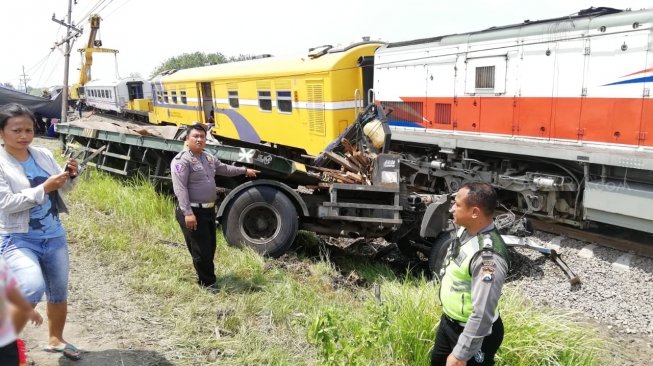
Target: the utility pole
(67, 41)
(24, 79)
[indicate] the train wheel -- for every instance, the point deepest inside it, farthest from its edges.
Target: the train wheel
(439, 253)
(262, 218)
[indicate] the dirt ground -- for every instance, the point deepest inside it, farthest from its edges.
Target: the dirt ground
(105, 321)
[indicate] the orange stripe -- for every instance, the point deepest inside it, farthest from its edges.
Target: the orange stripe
(609, 120)
(639, 72)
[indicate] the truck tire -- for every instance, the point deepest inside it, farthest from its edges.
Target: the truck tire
(438, 253)
(262, 218)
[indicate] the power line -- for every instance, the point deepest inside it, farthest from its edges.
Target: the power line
(116, 9)
(91, 12)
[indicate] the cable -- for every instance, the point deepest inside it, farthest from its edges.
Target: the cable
(105, 6)
(91, 12)
(116, 9)
(40, 77)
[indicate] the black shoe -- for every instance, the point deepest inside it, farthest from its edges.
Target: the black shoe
(214, 289)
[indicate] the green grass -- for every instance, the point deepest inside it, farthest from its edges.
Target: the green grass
(296, 311)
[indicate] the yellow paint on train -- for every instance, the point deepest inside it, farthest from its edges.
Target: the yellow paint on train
(302, 103)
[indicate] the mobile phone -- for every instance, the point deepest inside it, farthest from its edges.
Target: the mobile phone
(69, 169)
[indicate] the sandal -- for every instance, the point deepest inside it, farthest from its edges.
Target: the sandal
(68, 350)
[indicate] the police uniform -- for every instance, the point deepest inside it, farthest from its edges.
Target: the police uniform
(471, 328)
(193, 180)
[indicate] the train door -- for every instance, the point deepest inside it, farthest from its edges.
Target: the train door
(489, 76)
(567, 82)
(440, 91)
(135, 90)
(467, 105)
(533, 107)
(206, 101)
(366, 63)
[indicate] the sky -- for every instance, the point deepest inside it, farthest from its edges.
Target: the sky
(147, 32)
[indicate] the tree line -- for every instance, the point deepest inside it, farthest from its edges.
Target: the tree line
(196, 59)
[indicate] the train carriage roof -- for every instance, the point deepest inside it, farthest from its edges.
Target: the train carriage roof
(581, 20)
(333, 59)
(100, 83)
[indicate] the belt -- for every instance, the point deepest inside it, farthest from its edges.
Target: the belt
(203, 205)
(453, 322)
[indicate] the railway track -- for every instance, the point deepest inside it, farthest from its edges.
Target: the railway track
(615, 238)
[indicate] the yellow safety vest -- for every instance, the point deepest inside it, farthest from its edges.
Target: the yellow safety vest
(456, 285)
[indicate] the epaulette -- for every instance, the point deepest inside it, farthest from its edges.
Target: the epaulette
(487, 242)
(487, 256)
(180, 154)
(487, 249)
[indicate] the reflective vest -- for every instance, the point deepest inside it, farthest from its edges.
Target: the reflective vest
(456, 285)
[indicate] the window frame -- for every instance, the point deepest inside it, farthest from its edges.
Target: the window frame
(284, 98)
(262, 98)
(234, 102)
(497, 63)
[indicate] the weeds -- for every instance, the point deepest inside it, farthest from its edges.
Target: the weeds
(291, 314)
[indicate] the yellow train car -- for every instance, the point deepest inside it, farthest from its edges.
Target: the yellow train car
(291, 104)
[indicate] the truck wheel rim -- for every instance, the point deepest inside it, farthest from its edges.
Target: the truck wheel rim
(260, 223)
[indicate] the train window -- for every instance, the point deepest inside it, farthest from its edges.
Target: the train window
(103, 93)
(485, 77)
(165, 97)
(174, 96)
(109, 93)
(184, 99)
(233, 98)
(159, 97)
(265, 100)
(284, 101)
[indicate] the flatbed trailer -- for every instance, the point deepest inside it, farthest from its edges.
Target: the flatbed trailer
(266, 213)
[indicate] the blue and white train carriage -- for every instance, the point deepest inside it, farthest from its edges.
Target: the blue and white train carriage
(117, 96)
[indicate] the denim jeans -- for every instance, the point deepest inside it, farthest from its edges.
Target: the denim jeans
(40, 266)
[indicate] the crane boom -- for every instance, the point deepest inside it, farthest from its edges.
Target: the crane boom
(93, 45)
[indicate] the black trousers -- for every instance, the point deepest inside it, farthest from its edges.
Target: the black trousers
(9, 355)
(201, 242)
(447, 336)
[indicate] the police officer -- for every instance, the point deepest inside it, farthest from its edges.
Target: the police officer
(193, 178)
(471, 330)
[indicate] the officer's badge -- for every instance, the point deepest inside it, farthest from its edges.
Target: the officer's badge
(179, 167)
(488, 270)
